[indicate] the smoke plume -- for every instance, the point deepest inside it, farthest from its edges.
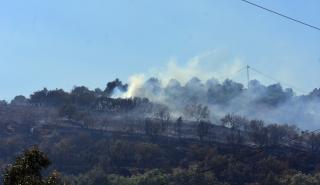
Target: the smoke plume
(207, 82)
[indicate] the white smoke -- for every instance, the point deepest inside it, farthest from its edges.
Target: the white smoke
(135, 83)
(212, 64)
(193, 80)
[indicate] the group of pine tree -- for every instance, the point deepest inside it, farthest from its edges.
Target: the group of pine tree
(94, 139)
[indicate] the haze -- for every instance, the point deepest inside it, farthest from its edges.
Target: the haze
(59, 44)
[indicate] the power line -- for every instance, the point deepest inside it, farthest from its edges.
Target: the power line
(278, 81)
(282, 15)
(233, 75)
(261, 149)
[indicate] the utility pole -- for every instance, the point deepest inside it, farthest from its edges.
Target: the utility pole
(248, 77)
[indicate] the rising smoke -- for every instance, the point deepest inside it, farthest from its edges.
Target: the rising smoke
(194, 84)
(115, 85)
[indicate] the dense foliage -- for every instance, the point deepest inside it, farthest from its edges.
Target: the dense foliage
(93, 138)
(26, 170)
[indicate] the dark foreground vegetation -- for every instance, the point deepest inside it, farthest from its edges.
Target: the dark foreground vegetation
(94, 139)
(124, 161)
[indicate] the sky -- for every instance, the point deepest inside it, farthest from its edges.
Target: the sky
(60, 44)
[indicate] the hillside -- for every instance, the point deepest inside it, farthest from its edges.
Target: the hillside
(93, 138)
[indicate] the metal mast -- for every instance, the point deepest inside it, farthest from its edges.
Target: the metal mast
(248, 76)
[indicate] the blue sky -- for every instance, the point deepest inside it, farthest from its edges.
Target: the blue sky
(59, 44)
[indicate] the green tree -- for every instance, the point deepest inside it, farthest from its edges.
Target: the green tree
(299, 179)
(193, 176)
(26, 170)
(153, 177)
